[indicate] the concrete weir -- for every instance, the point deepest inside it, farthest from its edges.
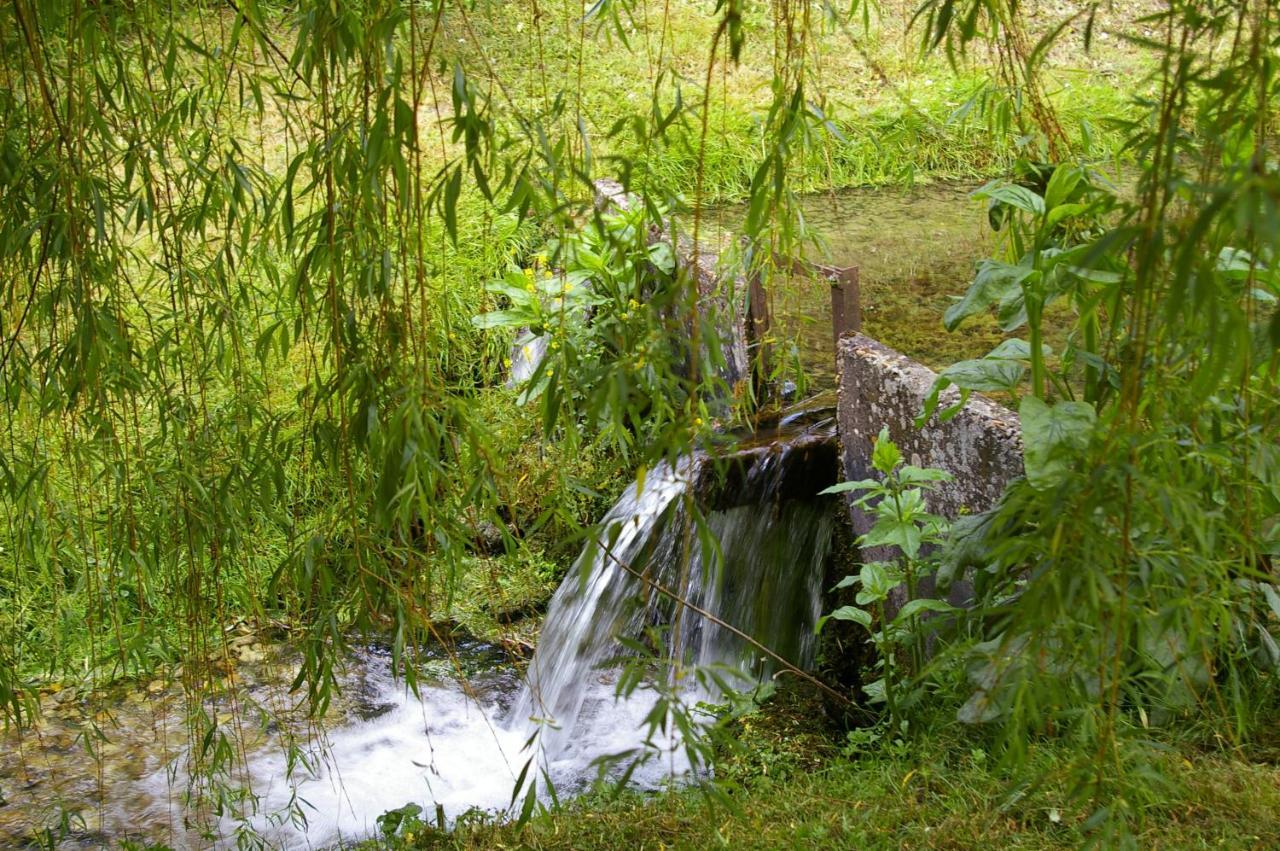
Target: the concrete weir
(981, 446)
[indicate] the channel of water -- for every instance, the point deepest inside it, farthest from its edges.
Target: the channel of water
(461, 744)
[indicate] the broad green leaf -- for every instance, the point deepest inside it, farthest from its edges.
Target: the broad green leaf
(875, 691)
(923, 604)
(877, 582)
(1053, 437)
(1065, 211)
(1016, 349)
(851, 613)
(985, 374)
(845, 487)
(889, 531)
(885, 455)
(995, 283)
(1061, 185)
(1014, 195)
(1095, 276)
(518, 293)
(501, 319)
(1012, 313)
(661, 256)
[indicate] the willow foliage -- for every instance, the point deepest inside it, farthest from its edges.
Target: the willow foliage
(1128, 582)
(242, 245)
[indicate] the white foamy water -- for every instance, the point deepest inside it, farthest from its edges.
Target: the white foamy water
(445, 748)
(438, 747)
(459, 748)
(442, 747)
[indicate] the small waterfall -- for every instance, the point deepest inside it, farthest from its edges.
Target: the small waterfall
(763, 576)
(462, 747)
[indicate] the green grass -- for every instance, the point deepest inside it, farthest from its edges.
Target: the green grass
(923, 124)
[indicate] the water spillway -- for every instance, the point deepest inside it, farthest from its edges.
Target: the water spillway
(755, 565)
(754, 561)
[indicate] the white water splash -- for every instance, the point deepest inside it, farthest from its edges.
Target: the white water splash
(457, 749)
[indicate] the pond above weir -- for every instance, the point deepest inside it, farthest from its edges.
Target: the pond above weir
(915, 248)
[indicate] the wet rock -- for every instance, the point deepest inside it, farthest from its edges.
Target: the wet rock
(488, 538)
(367, 710)
(250, 653)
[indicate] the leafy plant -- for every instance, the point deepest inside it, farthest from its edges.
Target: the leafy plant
(603, 326)
(1124, 582)
(904, 527)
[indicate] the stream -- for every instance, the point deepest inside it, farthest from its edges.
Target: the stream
(101, 769)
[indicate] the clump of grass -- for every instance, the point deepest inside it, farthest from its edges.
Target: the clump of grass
(927, 123)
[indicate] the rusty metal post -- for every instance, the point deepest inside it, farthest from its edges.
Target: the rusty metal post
(758, 324)
(846, 302)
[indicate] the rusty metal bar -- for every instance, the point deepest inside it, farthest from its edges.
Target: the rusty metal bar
(758, 323)
(846, 302)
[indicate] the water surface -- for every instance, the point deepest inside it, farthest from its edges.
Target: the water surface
(915, 249)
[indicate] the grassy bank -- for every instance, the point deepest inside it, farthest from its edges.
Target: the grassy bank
(885, 112)
(793, 782)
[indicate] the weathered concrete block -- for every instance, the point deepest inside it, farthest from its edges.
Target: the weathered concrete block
(981, 446)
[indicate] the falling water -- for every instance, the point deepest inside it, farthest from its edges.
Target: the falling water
(462, 748)
(526, 354)
(764, 579)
